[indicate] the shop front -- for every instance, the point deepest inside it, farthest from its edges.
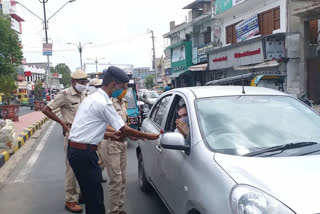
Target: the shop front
(181, 60)
(262, 54)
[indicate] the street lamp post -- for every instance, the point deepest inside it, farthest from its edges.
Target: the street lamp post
(80, 48)
(154, 57)
(96, 61)
(45, 21)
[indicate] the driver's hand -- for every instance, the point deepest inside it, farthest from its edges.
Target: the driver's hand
(182, 127)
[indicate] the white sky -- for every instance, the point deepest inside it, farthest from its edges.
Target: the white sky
(118, 29)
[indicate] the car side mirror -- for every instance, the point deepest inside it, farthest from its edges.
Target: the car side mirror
(174, 141)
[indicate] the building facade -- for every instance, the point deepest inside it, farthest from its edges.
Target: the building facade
(235, 37)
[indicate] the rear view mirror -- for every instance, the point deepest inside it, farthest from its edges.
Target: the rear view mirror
(174, 141)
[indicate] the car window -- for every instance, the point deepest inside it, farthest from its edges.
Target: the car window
(160, 109)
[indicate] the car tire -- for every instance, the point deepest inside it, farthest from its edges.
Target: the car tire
(142, 179)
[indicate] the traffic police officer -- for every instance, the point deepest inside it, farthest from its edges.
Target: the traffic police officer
(68, 101)
(94, 115)
(114, 156)
(94, 85)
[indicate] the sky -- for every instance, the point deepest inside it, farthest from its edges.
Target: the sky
(118, 30)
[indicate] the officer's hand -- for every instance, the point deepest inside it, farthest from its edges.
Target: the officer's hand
(115, 136)
(151, 136)
(65, 129)
(133, 138)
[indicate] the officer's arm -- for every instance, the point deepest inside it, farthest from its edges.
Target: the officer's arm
(129, 132)
(49, 113)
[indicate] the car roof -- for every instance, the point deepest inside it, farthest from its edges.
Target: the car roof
(218, 91)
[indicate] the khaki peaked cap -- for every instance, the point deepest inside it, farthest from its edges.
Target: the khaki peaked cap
(79, 74)
(95, 82)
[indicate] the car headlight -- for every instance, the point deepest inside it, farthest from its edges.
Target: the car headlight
(249, 200)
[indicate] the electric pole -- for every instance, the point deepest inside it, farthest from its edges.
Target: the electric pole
(154, 58)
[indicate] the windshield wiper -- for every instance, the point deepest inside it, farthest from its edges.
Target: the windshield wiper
(281, 148)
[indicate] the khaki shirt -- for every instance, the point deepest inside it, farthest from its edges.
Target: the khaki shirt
(68, 101)
(121, 107)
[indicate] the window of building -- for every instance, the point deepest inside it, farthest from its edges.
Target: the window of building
(314, 31)
(269, 21)
(207, 37)
(231, 34)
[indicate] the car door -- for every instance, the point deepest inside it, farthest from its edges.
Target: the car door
(170, 163)
(153, 124)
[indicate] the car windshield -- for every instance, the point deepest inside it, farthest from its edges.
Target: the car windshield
(130, 97)
(152, 94)
(241, 124)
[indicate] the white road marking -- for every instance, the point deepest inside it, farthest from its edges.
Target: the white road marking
(29, 165)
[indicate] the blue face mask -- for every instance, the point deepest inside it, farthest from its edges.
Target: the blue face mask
(117, 93)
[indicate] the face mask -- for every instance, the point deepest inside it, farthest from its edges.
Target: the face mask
(92, 89)
(185, 119)
(80, 88)
(123, 94)
(117, 93)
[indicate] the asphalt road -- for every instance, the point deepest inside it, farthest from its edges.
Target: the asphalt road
(24, 110)
(36, 185)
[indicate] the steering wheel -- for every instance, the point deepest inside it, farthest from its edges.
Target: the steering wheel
(219, 134)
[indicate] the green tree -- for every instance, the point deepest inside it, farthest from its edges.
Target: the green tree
(38, 91)
(10, 58)
(65, 71)
(148, 81)
(7, 87)
(10, 49)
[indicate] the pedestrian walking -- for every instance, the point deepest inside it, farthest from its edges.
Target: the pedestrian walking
(68, 101)
(114, 156)
(94, 115)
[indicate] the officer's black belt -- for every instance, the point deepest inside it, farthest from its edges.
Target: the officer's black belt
(76, 145)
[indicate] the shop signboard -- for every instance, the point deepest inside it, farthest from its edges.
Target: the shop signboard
(247, 28)
(247, 54)
(178, 54)
(194, 55)
(275, 48)
(223, 5)
(47, 49)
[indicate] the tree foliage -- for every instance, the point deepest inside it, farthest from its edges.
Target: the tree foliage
(65, 71)
(38, 96)
(7, 87)
(149, 81)
(10, 49)
(10, 58)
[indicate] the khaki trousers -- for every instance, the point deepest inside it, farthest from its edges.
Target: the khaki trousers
(114, 156)
(71, 186)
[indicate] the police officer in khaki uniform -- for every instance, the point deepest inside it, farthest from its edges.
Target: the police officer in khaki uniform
(114, 156)
(68, 101)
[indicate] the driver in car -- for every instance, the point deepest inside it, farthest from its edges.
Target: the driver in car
(182, 122)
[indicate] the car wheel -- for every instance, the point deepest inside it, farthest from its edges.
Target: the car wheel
(143, 182)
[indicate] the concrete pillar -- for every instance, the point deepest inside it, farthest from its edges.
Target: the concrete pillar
(304, 54)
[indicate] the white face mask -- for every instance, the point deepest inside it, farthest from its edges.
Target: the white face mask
(92, 89)
(80, 88)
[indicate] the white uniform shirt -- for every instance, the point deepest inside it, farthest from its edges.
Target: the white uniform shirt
(92, 119)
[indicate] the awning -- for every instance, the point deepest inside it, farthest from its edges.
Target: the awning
(309, 9)
(177, 74)
(201, 67)
(268, 64)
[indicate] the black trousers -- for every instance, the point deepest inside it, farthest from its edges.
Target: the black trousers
(84, 163)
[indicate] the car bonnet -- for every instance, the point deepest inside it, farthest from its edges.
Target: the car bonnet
(295, 181)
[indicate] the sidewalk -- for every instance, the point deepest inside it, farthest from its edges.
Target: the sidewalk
(24, 129)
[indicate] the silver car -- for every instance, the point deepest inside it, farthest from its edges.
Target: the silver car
(249, 151)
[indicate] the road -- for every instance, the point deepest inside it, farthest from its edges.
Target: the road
(36, 185)
(24, 110)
